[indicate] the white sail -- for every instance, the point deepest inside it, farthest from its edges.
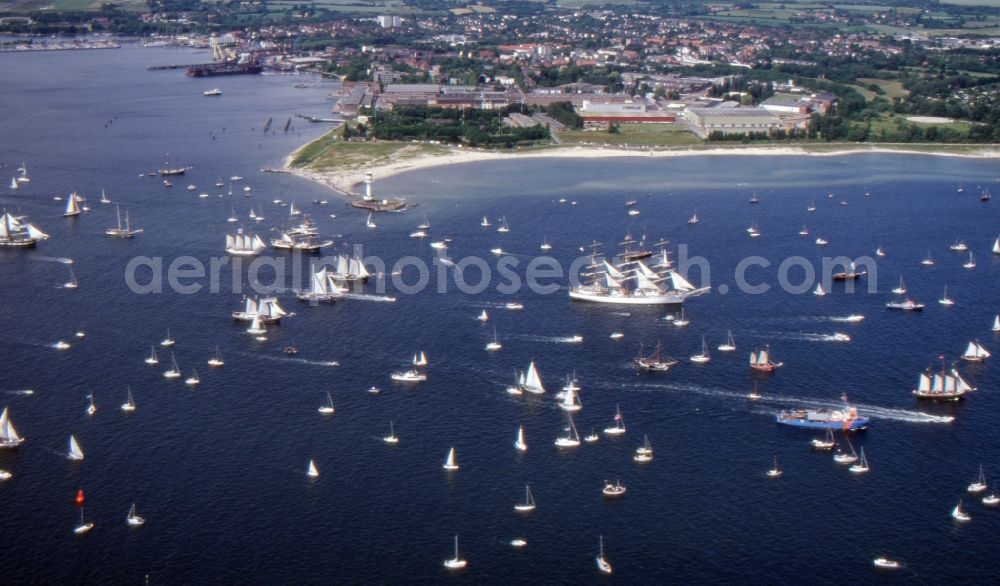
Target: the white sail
(72, 205)
(449, 462)
(996, 246)
(230, 242)
(532, 381)
(950, 384)
(258, 244)
(643, 283)
(272, 308)
(680, 283)
(358, 269)
(75, 453)
(959, 383)
(4, 231)
(35, 233)
(762, 357)
(614, 272)
(925, 383)
(250, 307)
(646, 271)
(312, 472)
(7, 432)
(319, 281)
(342, 266)
(611, 282)
(519, 444)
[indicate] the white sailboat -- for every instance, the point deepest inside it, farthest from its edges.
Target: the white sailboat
(420, 359)
(819, 291)
(449, 461)
(774, 472)
(504, 228)
(72, 206)
(681, 322)
(129, 405)
(703, 357)
(152, 358)
(545, 246)
(862, 466)
(485, 223)
(123, 230)
(72, 283)
(168, 341)
(9, 437)
(825, 443)
(849, 457)
(529, 502)
(91, 408)
(971, 263)
(996, 246)
(729, 345)
(75, 453)
(84, 526)
(495, 344)
(571, 397)
(370, 223)
(532, 380)
(13, 182)
(391, 438)
(483, 316)
(133, 519)
(644, 453)
(216, 361)
(519, 443)
(455, 563)
(979, 484)
(175, 371)
(945, 300)
(901, 289)
(996, 323)
(257, 327)
(602, 563)
(879, 251)
(960, 515)
(959, 246)
(193, 380)
(975, 352)
(311, 470)
(572, 438)
(619, 427)
(327, 408)
(928, 260)
(104, 197)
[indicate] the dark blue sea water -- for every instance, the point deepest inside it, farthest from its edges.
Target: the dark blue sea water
(219, 471)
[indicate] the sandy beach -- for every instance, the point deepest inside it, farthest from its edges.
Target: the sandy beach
(346, 181)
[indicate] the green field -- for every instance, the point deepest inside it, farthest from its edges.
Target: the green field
(633, 135)
(892, 89)
(61, 5)
(329, 153)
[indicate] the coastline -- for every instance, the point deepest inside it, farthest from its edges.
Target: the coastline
(345, 180)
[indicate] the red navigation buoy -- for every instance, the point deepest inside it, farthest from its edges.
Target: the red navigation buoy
(79, 498)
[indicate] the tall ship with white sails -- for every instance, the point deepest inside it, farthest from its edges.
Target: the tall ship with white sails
(945, 385)
(241, 244)
(304, 238)
(322, 287)
(350, 269)
(630, 281)
(266, 309)
(15, 232)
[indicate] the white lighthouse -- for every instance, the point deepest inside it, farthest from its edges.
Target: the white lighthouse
(368, 187)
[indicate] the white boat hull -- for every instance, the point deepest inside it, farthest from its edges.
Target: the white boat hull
(668, 299)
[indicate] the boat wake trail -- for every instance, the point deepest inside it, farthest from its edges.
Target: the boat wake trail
(291, 359)
(365, 297)
(551, 339)
(803, 336)
(65, 261)
(22, 392)
(873, 411)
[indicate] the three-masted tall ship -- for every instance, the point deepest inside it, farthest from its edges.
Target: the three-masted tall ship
(628, 280)
(16, 233)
